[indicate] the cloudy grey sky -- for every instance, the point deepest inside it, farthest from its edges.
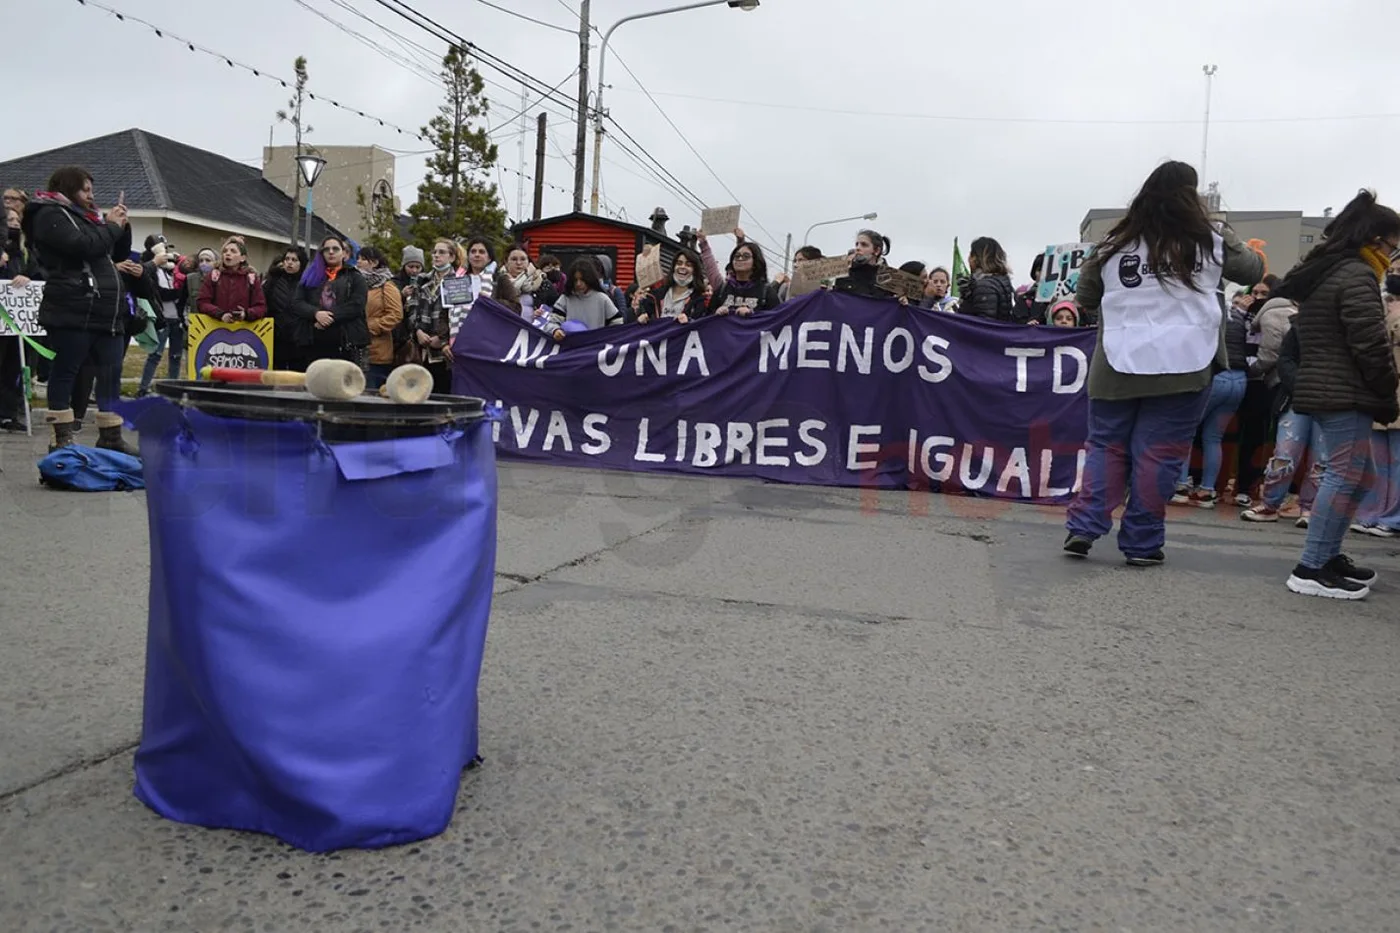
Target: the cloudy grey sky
(1007, 118)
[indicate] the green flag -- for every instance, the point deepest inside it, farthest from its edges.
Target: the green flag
(959, 267)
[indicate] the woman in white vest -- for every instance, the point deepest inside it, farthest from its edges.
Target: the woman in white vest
(1154, 281)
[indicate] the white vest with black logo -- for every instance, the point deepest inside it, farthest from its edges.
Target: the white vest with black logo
(1156, 326)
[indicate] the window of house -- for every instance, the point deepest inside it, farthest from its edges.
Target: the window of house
(1307, 238)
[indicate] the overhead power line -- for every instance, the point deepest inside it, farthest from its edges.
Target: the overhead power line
(667, 117)
(528, 19)
(164, 33)
(500, 65)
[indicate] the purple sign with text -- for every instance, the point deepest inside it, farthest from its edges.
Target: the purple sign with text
(828, 389)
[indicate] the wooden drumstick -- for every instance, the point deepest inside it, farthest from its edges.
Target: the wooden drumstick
(328, 380)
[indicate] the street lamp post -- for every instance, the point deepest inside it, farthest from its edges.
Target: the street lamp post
(840, 220)
(310, 165)
(745, 5)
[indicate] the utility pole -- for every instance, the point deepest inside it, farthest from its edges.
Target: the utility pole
(581, 146)
(539, 165)
(787, 254)
(520, 151)
(1209, 71)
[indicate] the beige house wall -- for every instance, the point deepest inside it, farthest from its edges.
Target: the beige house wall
(189, 236)
(348, 169)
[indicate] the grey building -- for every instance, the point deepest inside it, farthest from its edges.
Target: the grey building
(1288, 235)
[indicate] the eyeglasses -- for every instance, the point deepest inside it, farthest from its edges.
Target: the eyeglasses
(738, 256)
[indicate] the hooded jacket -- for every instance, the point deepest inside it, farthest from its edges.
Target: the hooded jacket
(76, 253)
(1271, 323)
(1345, 360)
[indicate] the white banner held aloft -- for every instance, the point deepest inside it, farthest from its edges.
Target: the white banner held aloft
(716, 221)
(23, 305)
(1059, 276)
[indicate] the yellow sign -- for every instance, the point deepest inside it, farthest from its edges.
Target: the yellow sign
(240, 345)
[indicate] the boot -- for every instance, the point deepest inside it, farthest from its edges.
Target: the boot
(62, 424)
(109, 433)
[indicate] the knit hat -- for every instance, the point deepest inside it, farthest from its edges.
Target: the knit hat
(1067, 305)
(412, 254)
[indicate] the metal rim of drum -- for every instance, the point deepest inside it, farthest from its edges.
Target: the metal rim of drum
(278, 403)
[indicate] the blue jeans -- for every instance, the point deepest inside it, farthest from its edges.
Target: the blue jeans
(173, 334)
(1136, 446)
(1381, 504)
(1347, 438)
(1226, 393)
(1297, 434)
(377, 374)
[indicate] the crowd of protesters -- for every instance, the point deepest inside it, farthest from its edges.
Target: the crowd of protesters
(1288, 385)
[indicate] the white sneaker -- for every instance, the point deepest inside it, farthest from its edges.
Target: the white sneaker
(1376, 531)
(1243, 501)
(1302, 522)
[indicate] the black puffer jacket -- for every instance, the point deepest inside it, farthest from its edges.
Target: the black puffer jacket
(1345, 363)
(82, 288)
(1237, 340)
(991, 296)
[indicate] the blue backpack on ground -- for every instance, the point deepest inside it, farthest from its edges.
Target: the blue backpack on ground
(91, 469)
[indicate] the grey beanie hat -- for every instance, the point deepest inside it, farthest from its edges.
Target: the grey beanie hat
(412, 254)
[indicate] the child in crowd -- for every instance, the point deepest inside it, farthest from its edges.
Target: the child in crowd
(587, 306)
(1064, 313)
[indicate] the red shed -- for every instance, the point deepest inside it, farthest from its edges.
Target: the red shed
(570, 236)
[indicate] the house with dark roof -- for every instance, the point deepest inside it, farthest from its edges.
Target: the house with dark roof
(192, 197)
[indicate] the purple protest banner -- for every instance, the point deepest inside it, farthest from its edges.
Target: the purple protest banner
(828, 389)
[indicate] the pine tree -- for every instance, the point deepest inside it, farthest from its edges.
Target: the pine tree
(455, 199)
(381, 224)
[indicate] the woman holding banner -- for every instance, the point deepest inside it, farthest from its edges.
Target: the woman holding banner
(680, 298)
(1153, 281)
(742, 288)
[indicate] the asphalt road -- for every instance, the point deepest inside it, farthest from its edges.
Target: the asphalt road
(729, 706)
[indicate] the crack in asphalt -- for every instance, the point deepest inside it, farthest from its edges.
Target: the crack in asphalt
(82, 764)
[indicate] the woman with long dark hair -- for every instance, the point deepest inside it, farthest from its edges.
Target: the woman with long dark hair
(1346, 380)
(742, 288)
(291, 336)
(84, 308)
(680, 298)
(1161, 338)
(332, 296)
(988, 291)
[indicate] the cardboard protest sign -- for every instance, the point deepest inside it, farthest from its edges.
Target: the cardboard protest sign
(719, 220)
(901, 284)
(235, 345)
(23, 305)
(1060, 274)
(808, 276)
(649, 270)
